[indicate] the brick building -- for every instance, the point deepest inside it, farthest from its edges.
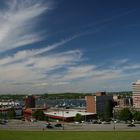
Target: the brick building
(30, 101)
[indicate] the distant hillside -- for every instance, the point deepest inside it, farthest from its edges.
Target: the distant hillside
(60, 95)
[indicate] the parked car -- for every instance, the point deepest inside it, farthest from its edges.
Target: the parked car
(95, 122)
(58, 125)
(104, 122)
(3, 121)
(116, 121)
(76, 122)
(131, 125)
(49, 126)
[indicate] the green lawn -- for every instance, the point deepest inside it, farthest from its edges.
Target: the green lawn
(19, 135)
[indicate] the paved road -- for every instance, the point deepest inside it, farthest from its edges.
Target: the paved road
(102, 127)
(40, 126)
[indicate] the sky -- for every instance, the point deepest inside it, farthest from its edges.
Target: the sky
(51, 46)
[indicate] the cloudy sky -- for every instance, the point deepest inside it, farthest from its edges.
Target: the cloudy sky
(69, 45)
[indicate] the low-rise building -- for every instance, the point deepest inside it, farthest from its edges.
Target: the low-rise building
(27, 112)
(121, 101)
(69, 115)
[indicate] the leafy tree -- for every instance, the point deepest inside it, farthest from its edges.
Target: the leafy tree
(39, 115)
(1, 115)
(125, 115)
(78, 117)
(11, 114)
(136, 116)
(100, 116)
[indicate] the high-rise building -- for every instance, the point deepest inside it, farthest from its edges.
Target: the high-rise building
(30, 101)
(136, 94)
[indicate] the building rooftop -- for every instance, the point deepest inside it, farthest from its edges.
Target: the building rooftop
(67, 114)
(137, 82)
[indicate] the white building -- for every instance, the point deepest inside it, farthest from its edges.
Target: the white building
(68, 115)
(136, 94)
(9, 103)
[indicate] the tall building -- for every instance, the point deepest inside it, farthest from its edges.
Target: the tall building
(96, 104)
(30, 101)
(91, 104)
(136, 94)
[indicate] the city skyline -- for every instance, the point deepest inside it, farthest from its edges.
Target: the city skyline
(68, 46)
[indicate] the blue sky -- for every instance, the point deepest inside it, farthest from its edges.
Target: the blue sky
(69, 45)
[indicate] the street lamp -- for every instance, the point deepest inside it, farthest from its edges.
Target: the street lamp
(113, 119)
(63, 117)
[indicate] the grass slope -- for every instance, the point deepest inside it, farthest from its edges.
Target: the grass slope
(19, 135)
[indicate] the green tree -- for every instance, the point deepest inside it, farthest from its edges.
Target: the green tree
(1, 115)
(78, 118)
(39, 115)
(11, 114)
(100, 116)
(125, 115)
(136, 116)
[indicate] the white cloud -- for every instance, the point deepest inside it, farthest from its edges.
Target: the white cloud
(131, 67)
(78, 72)
(40, 84)
(16, 23)
(24, 67)
(56, 72)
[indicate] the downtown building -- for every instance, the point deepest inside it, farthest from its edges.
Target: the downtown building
(30, 101)
(97, 103)
(136, 94)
